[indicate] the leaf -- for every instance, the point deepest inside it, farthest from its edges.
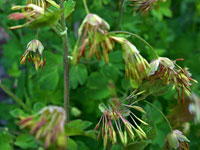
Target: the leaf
(16, 113)
(72, 145)
(140, 145)
(69, 7)
(25, 141)
(78, 75)
(49, 79)
(5, 141)
(38, 106)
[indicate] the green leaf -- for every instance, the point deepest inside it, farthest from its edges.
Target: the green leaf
(16, 113)
(72, 145)
(38, 106)
(69, 7)
(78, 75)
(140, 145)
(49, 79)
(25, 141)
(5, 141)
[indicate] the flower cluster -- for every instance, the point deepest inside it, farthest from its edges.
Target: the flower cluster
(136, 67)
(93, 33)
(176, 140)
(48, 124)
(31, 11)
(169, 72)
(143, 5)
(112, 119)
(34, 52)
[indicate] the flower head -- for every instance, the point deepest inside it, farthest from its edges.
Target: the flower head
(136, 67)
(169, 72)
(93, 35)
(48, 124)
(113, 121)
(143, 5)
(176, 140)
(32, 11)
(34, 52)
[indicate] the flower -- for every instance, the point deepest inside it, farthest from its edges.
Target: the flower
(194, 107)
(169, 72)
(93, 33)
(112, 119)
(33, 12)
(34, 52)
(47, 124)
(176, 140)
(136, 67)
(144, 5)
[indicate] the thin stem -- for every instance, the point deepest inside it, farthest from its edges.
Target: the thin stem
(138, 37)
(65, 63)
(120, 14)
(86, 7)
(11, 94)
(160, 113)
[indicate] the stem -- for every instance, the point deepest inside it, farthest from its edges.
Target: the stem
(140, 38)
(120, 14)
(11, 94)
(65, 63)
(160, 113)
(86, 7)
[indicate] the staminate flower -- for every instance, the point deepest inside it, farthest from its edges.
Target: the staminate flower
(93, 35)
(32, 11)
(194, 107)
(168, 71)
(48, 124)
(136, 67)
(177, 140)
(113, 121)
(143, 5)
(34, 52)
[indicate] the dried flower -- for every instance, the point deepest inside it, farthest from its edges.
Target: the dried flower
(93, 33)
(33, 12)
(34, 52)
(168, 71)
(143, 5)
(48, 124)
(177, 140)
(112, 119)
(194, 107)
(136, 67)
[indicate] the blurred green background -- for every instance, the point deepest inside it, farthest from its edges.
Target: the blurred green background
(172, 28)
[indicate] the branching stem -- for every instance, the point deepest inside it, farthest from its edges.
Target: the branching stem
(160, 113)
(138, 37)
(11, 94)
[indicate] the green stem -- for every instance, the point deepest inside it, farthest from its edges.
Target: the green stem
(138, 37)
(65, 62)
(120, 14)
(160, 113)
(11, 94)
(86, 7)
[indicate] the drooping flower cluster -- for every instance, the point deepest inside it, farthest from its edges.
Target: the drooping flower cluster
(48, 124)
(176, 140)
(169, 72)
(136, 67)
(93, 35)
(114, 121)
(33, 11)
(143, 5)
(34, 52)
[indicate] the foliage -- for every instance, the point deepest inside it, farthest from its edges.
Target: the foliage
(172, 28)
